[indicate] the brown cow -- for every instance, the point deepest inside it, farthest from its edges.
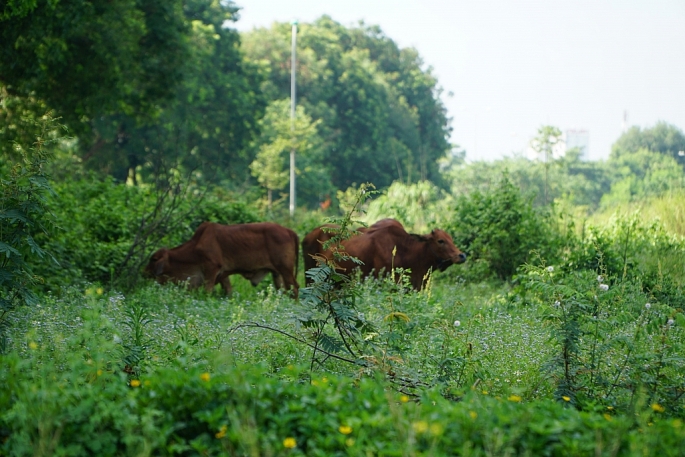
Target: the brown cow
(217, 251)
(312, 243)
(419, 253)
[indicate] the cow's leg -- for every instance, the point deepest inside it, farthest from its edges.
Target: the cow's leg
(212, 272)
(288, 280)
(278, 280)
(225, 281)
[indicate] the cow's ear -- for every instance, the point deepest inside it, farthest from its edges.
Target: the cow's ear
(417, 237)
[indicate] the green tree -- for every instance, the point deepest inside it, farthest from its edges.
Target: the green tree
(86, 58)
(572, 180)
(641, 174)
(543, 144)
(208, 124)
(381, 114)
(277, 139)
(144, 86)
(663, 138)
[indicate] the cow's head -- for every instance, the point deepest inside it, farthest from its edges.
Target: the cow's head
(157, 264)
(441, 245)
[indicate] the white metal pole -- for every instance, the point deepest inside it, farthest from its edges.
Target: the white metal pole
(292, 118)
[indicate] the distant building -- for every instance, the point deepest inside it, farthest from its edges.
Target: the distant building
(578, 139)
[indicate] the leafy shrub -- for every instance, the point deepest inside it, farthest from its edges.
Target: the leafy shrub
(420, 207)
(182, 410)
(99, 221)
(615, 345)
(630, 248)
(499, 228)
(24, 216)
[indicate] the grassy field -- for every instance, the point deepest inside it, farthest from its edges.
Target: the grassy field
(166, 371)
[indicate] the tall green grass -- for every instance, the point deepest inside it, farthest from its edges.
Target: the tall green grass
(668, 208)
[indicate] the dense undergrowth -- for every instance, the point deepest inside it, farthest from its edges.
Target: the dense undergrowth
(572, 346)
(161, 371)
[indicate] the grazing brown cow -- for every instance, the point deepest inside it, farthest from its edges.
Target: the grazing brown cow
(217, 251)
(419, 253)
(312, 243)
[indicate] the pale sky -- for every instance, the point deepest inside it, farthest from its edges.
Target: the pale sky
(514, 65)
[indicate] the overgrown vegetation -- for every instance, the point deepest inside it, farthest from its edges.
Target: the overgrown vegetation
(563, 333)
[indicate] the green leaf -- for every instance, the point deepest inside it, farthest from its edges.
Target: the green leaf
(8, 250)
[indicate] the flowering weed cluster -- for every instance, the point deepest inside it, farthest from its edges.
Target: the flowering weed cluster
(614, 348)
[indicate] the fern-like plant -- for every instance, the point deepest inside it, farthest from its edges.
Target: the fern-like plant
(23, 215)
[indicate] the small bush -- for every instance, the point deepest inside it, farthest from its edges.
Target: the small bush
(499, 229)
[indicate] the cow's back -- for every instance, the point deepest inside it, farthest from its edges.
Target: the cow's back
(375, 247)
(250, 247)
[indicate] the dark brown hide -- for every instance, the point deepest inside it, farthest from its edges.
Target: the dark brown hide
(419, 253)
(217, 251)
(312, 243)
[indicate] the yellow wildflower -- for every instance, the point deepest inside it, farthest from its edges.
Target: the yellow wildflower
(33, 345)
(566, 398)
(607, 416)
(205, 377)
(436, 429)
(514, 398)
(222, 431)
(396, 315)
(485, 392)
(349, 442)
(420, 426)
(289, 442)
(473, 414)
(99, 372)
(658, 408)
(99, 291)
(135, 383)
(404, 398)
(345, 429)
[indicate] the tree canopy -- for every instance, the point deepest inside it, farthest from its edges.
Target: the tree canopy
(143, 85)
(380, 110)
(663, 138)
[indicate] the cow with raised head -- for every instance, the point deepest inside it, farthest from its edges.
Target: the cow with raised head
(419, 253)
(217, 251)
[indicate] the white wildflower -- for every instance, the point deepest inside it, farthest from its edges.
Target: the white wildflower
(603, 287)
(550, 268)
(116, 339)
(557, 304)
(648, 305)
(670, 322)
(600, 278)
(457, 323)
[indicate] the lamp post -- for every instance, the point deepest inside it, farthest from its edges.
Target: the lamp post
(292, 117)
